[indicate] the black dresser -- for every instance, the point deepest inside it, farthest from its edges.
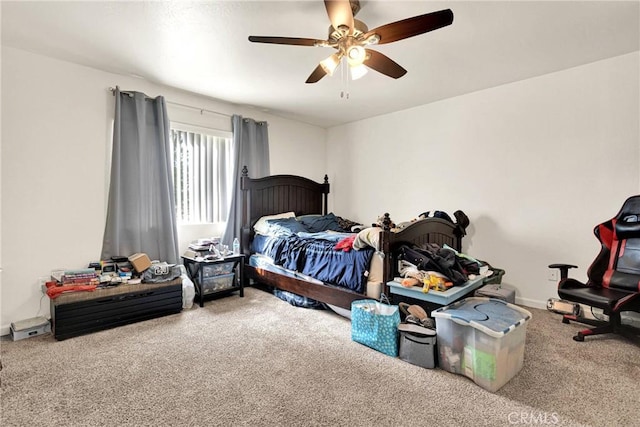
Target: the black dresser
(78, 313)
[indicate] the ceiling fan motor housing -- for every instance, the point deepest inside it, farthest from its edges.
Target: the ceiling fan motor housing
(335, 34)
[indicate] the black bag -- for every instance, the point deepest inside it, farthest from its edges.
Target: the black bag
(432, 257)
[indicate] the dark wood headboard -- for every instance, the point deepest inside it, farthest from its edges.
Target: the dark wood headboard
(276, 194)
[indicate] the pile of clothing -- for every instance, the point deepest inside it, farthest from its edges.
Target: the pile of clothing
(436, 266)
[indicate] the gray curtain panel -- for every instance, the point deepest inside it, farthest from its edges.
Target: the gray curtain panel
(251, 149)
(141, 215)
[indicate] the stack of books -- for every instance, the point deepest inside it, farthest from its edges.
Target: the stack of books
(203, 247)
(206, 244)
(82, 276)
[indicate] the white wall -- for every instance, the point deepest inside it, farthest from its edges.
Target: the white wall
(57, 119)
(535, 165)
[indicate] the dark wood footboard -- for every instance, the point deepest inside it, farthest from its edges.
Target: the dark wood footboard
(420, 232)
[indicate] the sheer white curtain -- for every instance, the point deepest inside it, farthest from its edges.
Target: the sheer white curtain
(141, 215)
(203, 175)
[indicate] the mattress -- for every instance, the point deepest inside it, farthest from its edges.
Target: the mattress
(266, 263)
(318, 258)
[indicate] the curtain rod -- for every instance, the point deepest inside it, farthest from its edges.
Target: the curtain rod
(202, 110)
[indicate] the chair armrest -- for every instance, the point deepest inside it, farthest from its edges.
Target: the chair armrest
(564, 269)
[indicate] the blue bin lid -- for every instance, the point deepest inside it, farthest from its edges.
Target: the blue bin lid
(490, 315)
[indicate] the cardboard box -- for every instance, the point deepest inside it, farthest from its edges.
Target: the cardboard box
(140, 262)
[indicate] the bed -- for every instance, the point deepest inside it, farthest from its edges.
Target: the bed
(277, 194)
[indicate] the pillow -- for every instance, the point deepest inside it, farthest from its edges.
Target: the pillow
(316, 224)
(369, 237)
(308, 217)
(284, 227)
(348, 225)
(261, 226)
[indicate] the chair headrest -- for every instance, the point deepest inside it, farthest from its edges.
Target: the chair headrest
(627, 230)
(627, 223)
(629, 208)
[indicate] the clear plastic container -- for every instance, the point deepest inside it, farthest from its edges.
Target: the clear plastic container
(483, 339)
(216, 269)
(218, 283)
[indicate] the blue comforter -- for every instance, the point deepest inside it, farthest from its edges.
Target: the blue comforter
(316, 257)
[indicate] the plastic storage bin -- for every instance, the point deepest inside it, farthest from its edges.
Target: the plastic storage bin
(503, 292)
(483, 339)
(216, 269)
(495, 278)
(217, 283)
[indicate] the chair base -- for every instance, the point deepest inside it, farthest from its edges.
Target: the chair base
(613, 326)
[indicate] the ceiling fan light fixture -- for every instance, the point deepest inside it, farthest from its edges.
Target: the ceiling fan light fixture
(358, 71)
(330, 64)
(355, 55)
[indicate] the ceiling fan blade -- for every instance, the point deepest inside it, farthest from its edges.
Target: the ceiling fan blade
(412, 26)
(317, 74)
(340, 13)
(285, 40)
(383, 64)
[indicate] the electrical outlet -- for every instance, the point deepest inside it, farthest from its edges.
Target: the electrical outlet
(553, 275)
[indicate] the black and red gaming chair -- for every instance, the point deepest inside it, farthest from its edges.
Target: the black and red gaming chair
(614, 276)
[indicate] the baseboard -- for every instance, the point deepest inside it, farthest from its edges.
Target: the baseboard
(5, 330)
(628, 318)
(528, 302)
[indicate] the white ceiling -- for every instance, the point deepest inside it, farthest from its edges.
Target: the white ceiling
(202, 47)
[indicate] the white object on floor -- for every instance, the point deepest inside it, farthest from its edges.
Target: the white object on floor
(188, 289)
(341, 311)
(29, 328)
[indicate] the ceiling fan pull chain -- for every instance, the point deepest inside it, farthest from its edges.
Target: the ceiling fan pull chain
(344, 75)
(347, 78)
(342, 92)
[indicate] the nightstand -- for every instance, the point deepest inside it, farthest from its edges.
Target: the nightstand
(216, 277)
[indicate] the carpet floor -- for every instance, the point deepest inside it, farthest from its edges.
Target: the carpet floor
(262, 362)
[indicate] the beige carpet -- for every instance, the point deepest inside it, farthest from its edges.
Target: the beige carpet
(259, 361)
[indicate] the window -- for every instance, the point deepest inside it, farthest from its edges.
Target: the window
(202, 173)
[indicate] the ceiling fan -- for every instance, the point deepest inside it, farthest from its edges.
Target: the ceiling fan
(350, 37)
